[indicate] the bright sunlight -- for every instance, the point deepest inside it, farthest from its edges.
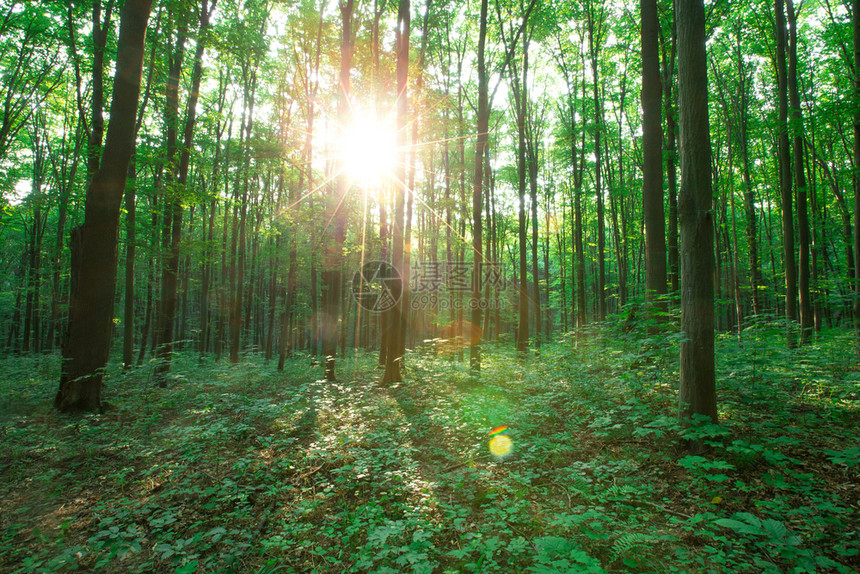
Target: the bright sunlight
(369, 150)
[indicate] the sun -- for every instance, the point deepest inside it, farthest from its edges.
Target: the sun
(368, 150)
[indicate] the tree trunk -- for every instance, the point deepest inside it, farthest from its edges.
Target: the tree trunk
(532, 165)
(669, 53)
(785, 176)
(697, 394)
(332, 276)
(652, 159)
(856, 26)
(397, 315)
(593, 39)
(170, 277)
(806, 316)
(520, 95)
(91, 309)
(96, 132)
(749, 191)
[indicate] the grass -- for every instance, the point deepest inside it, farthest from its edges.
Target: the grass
(247, 469)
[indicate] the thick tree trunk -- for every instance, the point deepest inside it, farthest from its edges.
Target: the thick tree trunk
(697, 394)
(91, 309)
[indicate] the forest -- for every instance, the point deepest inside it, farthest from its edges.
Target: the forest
(433, 287)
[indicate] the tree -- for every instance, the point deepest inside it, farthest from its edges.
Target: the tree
(332, 274)
(652, 164)
(520, 90)
(799, 164)
(178, 170)
(697, 394)
(94, 277)
(783, 153)
(396, 340)
(595, 38)
(856, 118)
(483, 128)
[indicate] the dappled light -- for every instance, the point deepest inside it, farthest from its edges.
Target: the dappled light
(266, 468)
(429, 287)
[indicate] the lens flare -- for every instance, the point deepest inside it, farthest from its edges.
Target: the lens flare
(501, 444)
(457, 336)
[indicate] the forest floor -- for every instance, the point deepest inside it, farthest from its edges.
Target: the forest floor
(246, 469)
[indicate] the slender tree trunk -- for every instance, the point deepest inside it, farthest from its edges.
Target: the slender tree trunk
(170, 278)
(332, 276)
(96, 132)
(652, 159)
(397, 315)
(856, 26)
(806, 316)
(130, 239)
(578, 241)
(483, 126)
(749, 190)
(91, 310)
(669, 52)
(785, 176)
(521, 95)
(532, 165)
(593, 39)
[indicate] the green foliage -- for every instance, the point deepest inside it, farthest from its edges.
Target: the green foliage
(244, 469)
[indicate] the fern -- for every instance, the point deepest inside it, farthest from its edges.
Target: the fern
(629, 541)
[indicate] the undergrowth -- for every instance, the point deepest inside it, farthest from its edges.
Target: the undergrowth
(247, 469)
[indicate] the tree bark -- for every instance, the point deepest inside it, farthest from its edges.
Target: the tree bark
(170, 278)
(697, 394)
(96, 132)
(593, 39)
(332, 274)
(91, 309)
(803, 236)
(856, 26)
(396, 339)
(652, 159)
(669, 54)
(520, 95)
(785, 176)
(483, 126)
(532, 164)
